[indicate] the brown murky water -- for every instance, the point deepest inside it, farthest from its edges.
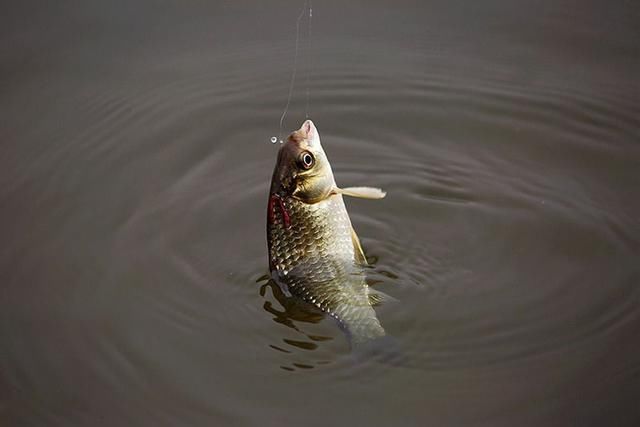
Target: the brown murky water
(134, 167)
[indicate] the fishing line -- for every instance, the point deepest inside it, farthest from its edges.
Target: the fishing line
(307, 6)
(309, 58)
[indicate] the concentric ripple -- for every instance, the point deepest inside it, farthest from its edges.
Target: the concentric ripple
(136, 183)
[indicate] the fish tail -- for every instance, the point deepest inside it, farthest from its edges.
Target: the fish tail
(384, 349)
(368, 339)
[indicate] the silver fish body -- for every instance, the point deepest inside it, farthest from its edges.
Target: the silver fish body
(313, 251)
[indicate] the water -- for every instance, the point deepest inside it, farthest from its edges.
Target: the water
(135, 168)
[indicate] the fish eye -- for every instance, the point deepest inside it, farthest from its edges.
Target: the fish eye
(307, 160)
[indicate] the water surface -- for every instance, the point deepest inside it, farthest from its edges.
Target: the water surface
(135, 165)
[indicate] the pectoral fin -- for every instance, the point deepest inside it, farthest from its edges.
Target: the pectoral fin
(362, 192)
(357, 249)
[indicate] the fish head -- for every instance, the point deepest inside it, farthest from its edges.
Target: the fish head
(302, 170)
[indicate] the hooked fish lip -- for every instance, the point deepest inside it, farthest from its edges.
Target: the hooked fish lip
(303, 137)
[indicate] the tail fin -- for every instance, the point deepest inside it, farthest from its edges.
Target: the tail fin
(385, 349)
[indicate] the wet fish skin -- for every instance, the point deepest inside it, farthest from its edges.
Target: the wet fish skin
(314, 253)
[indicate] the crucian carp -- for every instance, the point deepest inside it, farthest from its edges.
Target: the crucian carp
(314, 253)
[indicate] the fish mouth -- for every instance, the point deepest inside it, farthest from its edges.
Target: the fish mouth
(304, 137)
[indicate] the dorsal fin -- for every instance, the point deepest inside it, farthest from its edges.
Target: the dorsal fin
(357, 249)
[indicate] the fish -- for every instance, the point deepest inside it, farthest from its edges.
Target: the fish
(314, 252)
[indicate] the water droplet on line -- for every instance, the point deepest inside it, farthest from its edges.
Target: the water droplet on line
(274, 139)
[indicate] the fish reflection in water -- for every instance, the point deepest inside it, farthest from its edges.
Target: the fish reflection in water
(295, 313)
(293, 310)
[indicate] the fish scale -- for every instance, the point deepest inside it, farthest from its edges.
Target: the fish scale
(314, 259)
